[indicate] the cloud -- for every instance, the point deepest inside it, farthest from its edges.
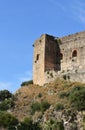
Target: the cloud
(57, 4)
(74, 9)
(25, 76)
(5, 85)
(78, 11)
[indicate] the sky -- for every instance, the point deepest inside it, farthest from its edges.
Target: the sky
(22, 22)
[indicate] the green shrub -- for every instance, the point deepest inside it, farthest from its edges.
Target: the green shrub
(60, 125)
(35, 107)
(74, 126)
(6, 104)
(7, 120)
(77, 98)
(28, 124)
(59, 106)
(53, 125)
(64, 94)
(76, 88)
(6, 100)
(27, 83)
(59, 41)
(44, 106)
(39, 106)
(5, 94)
(11, 128)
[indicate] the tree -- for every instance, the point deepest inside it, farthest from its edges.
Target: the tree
(5, 94)
(7, 120)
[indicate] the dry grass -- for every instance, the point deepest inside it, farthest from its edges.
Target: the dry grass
(26, 95)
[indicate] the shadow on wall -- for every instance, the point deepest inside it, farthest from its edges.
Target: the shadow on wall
(59, 55)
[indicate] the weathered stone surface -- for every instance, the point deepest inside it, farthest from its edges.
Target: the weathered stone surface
(72, 120)
(55, 57)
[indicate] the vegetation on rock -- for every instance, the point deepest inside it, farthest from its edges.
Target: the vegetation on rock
(59, 105)
(53, 125)
(7, 120)
(6, 100)
(36, 106)
(27, 83)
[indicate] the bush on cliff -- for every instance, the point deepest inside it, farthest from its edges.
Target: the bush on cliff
(7, 120)
(77, 98)
(26, 83)
(53, 125)
(5, 94)
(28, 124)
(39, 106)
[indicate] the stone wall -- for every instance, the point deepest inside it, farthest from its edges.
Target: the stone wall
(59, 57)
(38, 63)
(51, 49)
(70, 44)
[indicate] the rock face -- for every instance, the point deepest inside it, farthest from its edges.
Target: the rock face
(71, 120)
(59, 57)
(61, 113)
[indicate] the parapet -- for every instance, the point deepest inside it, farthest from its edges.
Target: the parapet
(73, 37)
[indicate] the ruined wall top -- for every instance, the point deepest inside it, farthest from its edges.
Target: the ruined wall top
(73, 37)
(64, 39)
(42, 38)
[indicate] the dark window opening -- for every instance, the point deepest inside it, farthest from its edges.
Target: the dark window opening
(74, 54)
(61, 56)
(37, 57)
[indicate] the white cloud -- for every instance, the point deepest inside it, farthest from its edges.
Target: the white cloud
(5, 85)
(74, 9)
(78, 11)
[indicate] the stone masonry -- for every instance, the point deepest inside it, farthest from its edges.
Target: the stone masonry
(59, 57)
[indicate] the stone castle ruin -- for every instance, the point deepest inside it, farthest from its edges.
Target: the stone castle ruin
(59, 57)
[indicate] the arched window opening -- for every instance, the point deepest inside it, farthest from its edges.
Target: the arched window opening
(74, 54)
(61, 56)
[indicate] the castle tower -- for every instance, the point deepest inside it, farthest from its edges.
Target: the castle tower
(62, 57)
(45, 51)
(39, 61)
